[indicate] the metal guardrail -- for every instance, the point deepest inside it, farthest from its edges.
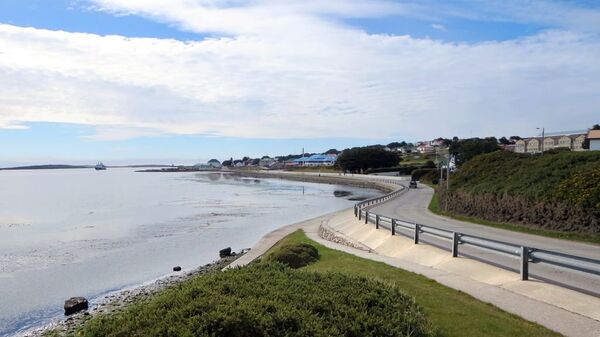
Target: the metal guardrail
(526, 255)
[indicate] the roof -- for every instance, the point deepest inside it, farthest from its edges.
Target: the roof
(594, 134)
(317, 158)
(563, 133)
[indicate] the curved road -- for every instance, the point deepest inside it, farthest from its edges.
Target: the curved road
(412, 206)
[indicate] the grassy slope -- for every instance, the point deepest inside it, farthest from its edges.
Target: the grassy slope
(434, 207)
(453, 312)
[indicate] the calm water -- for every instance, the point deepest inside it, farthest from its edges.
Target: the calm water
(70, 233)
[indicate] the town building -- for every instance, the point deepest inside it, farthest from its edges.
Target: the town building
(316, 160)
(594, 138)
(572, 140)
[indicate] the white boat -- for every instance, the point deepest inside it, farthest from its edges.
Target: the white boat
(100, 167)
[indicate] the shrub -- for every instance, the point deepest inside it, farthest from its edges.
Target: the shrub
(294, 255)
(269, 300)
(425, 174)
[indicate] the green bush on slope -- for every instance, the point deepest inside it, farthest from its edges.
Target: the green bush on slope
(270, 300)
(294, 255)
(557, 191)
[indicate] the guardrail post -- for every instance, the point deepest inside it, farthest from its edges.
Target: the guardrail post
(393, 227)
(366, 217)
(376, 221)
(524, 263)
(417, 229)
(355, 208)
(359, 214)
(454, 244)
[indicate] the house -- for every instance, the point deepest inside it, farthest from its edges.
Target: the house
(572, 140)
(266, 162)
(594, 137)
(317, 160)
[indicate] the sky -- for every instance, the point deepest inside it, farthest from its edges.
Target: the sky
(138, 81)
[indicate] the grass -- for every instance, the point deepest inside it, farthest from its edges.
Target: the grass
(434, 206)
(453, 312)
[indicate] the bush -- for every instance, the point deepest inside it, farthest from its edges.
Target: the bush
(402, 170)
(294, 255)
(425, 174)
(269, 300)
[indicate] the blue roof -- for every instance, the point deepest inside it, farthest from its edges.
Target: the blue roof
(317, 158)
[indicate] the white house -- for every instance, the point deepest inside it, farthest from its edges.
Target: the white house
(594, 137)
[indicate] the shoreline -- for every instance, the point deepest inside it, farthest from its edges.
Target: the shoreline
(116, 300)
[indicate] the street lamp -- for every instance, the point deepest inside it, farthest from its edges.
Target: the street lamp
(543, 138)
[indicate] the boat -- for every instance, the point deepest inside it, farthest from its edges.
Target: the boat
(100, 167)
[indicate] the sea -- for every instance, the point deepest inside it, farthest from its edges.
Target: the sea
(81, 232)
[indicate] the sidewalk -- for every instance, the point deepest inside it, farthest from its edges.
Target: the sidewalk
(565, 311)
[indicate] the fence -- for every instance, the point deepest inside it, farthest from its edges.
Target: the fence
(526, 255)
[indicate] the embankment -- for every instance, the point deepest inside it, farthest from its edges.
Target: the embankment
(559, 191)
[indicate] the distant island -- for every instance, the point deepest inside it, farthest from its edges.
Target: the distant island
(47, 167)
(62, 166)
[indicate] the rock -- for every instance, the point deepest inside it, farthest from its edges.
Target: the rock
(75, 304)
(177, 268)
(225, 252)
(340, 194)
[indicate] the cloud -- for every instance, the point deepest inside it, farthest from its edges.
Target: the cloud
(283, 69)
(440, 27)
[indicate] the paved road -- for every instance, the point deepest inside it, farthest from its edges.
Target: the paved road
(412, 206)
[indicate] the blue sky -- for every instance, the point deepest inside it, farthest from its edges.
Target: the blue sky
(133, 81)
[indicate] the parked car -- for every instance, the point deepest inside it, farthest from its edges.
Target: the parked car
(412, 184)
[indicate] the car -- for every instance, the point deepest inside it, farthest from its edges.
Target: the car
(412, 184)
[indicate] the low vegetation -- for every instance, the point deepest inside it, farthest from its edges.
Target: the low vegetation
(294, 255)
(559, 191)
(270, 299)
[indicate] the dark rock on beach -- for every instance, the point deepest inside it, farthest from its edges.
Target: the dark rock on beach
(75, 304)
(341, 194)
(177, 268)
(225, 252)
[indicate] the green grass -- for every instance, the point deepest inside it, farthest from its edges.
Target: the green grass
(434, 206)
(453, 312)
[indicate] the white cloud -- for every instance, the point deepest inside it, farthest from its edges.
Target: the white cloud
(440, 27)
(291, 70)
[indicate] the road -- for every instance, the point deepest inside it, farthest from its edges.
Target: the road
(412, 206)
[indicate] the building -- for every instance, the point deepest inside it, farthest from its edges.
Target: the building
(572, 140)
(266, 162)
(594, 137)
(317, 160)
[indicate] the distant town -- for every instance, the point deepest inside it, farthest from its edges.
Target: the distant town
(434, 150)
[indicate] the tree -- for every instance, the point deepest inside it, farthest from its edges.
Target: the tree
(332, 151)
(228, 162)
(465, 149)
(359, 159)
(394, 145)
(504, 141)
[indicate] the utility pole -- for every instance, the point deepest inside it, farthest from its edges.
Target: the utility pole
(543, 138)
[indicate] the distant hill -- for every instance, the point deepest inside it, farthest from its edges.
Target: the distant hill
(46, 167)
(558, 191)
